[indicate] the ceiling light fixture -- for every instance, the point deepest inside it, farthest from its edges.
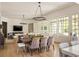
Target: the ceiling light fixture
(23, 18)
(39, 18)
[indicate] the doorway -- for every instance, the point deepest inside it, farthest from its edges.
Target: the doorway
(4, 28)
(30, 27)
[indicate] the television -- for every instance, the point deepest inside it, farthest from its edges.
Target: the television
(17, 28)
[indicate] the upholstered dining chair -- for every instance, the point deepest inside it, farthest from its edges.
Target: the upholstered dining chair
(20, 46)
(60, 41)
(34, 45)
(43, 44)
(74, 40)
(50, 41)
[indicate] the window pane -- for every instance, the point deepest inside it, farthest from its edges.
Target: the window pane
(63, 25)
(75, 23)
(54, 27)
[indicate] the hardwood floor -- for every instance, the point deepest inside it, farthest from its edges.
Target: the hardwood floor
(10, 50)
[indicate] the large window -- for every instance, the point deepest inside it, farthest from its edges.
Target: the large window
(75, 24)
(63, 25)
(54, 27)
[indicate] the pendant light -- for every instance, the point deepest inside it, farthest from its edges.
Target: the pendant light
(40, 17)
(23, 22)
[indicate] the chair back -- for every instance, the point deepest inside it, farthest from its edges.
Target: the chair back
(49, 41)
(74, 40)
(61, 40)
(44, 42)
(20, 37)
(35, 43)
(74, 37)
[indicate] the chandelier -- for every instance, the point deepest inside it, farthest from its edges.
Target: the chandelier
(23, 22)
(41, 17)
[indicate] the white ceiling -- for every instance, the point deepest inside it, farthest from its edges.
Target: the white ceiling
(17, 9)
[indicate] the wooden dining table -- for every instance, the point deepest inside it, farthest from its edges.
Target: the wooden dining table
(72, 51)
(30, 37)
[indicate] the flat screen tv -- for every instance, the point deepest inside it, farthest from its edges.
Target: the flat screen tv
(17, 28)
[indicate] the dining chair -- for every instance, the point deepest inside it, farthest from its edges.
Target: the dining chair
(34, 45)
(20, 38)
(50, 41)
(43, 44)
(60, 41)
(74, 40)
(21, 46)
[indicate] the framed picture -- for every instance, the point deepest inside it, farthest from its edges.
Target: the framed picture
(42, 28)
(45, 27)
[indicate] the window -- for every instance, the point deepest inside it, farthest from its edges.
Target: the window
(60, 25)
(63, 25)
(75, 23)
(54, 27)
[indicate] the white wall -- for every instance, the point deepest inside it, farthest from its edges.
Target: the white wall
(38, 25)
(11, 22)
(56, 15)
(0, 13)
(0, 8)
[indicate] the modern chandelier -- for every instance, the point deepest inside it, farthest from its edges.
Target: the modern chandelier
(40, 17)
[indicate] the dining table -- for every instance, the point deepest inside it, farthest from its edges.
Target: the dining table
(71, 51)
(30, 38)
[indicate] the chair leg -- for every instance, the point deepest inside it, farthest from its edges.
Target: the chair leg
(45, 48)
(17, 50)
(61, 54)
(48, 48)
(38, 49)
(24, 51)
(53, 47)
(31, 52)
